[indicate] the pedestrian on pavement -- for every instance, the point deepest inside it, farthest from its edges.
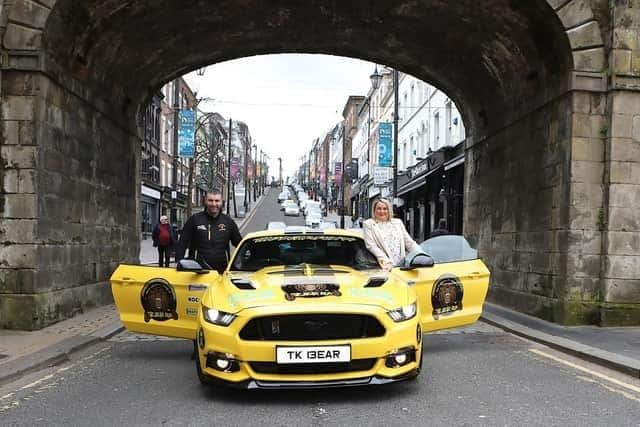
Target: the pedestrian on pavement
(385, 236)
(164, 238)
(207, 234)
(441, 230)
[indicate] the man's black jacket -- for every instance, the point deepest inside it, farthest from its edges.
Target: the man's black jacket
(207, 238)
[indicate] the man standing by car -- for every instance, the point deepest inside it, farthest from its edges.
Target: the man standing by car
(207, 234)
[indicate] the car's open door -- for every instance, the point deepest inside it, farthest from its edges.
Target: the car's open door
(451, 292)
(160, 301)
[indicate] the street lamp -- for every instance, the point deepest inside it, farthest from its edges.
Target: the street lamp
(376, 78)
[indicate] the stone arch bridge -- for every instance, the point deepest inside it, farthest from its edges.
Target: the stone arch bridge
(549, 90)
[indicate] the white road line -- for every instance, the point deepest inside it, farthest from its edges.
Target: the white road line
(588, 371)
(35, 383)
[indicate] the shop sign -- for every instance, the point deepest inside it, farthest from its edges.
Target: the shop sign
(434, 161)
(380, 175)
(150, 192)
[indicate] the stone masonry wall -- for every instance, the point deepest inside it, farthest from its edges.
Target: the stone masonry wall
(621, 218)
(69, 202)
(517, 210)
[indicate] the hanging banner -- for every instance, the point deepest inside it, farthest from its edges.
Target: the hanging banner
(185, 133)
(235, 168)
(337, 173)
(385, 150)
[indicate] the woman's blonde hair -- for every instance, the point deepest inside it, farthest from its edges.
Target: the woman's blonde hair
(385, 202)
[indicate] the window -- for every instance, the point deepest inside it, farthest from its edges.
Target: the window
(436, 130)
(295, 250)
(448, 123)
(412, 100)
(412, 150)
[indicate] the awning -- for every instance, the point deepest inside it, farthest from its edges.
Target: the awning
(412, 185)
(458, 160)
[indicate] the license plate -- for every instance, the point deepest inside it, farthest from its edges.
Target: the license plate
(313, 354)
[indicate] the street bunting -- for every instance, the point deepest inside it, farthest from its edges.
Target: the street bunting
(385, 134)
(186, 133)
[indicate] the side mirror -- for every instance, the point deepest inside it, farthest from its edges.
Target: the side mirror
(420, 260)
(190, 265)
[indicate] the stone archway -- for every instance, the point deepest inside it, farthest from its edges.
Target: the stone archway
(547, 102)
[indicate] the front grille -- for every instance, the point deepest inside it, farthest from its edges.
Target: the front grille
(312, 368)
(312, 327)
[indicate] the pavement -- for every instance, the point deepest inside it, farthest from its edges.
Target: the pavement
(23, 352)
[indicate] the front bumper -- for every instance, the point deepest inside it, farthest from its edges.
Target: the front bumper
(296, 385)
(225, 340)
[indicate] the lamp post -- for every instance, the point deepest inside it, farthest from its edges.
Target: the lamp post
(247, 155)
(255, 172)
(229, 170)
(174, 172)
(396, 83)
(262, 172)
(376, 78)
(342, 182)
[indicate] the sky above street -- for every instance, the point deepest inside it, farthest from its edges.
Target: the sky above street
(287, 100)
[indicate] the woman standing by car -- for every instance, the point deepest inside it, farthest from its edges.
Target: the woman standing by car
(385, 237)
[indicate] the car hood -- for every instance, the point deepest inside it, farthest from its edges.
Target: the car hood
(307, 286)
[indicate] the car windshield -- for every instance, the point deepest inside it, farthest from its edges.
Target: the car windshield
(295, 249)
(449, 248)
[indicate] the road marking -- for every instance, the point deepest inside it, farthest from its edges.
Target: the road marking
(35, 383)
(588, 371)
(6, 396)
(622, 392)
(249, 217)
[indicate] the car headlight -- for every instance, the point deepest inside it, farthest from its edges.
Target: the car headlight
(403, 313)
(217, 317)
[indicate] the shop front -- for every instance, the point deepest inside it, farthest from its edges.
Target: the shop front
(149, 210)
(422, 208)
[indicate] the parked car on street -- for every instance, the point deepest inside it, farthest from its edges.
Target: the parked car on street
(291, 210)
(286, 203)
(284, 195)
(275, 225)
(325, 225)
(313, 219)
(305, 309)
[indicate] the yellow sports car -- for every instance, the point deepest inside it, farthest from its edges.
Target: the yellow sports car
(306, 309)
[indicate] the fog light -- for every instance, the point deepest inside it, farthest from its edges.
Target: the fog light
(222, 364)
(400, 357)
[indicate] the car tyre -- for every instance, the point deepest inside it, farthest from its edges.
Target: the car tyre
(419, 369)
(204, 378)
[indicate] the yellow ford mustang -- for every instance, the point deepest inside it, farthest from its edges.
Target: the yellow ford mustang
(306, 309)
